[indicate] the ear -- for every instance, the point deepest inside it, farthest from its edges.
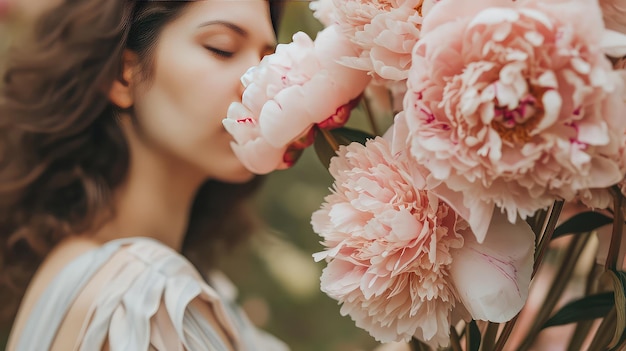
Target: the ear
(121, 91)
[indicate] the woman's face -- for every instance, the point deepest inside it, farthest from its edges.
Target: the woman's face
(197, 65)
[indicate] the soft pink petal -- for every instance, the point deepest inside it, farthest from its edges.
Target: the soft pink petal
(503, 265)
(614, 43)
(258, 156)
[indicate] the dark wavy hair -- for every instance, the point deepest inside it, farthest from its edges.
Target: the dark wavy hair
(61, 149)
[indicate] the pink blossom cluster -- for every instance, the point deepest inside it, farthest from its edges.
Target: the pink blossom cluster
(515, 105)
(401, 261)
(384, 32)
(506, 107)
(292, 91)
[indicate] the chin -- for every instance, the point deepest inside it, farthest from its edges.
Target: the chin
(243, 177)
(236, 176)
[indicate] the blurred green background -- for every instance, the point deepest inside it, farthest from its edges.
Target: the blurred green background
(278, 280)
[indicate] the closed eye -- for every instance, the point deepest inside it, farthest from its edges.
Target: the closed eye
(220, 53)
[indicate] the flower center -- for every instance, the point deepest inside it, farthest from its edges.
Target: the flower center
(515, 125)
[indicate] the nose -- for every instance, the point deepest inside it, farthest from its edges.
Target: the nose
(240, 89)
(245, 76)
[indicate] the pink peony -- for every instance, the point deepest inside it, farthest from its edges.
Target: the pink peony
(353, 15)
(387, 41)
(289, 92)
(323, 10)
(385, 32)
(400, 260)
(514, 104)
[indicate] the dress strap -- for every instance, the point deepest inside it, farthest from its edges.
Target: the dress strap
(49, 312)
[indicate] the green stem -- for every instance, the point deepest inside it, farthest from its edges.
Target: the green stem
(544, 242)
(542, 246)
(537, 223)
(566, 269)
(418, 345)
(605, 332)
(489, 339)
(584, 327)
(330, 138)
(506, 332)
(370, 116)
(613, 258)
(580, 335)
(455, 340)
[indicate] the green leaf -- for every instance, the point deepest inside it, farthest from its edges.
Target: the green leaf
(582, 223)
(323, 149)
(619, 286)
(340, 136)
(345, 135)
(418, 345)
(474, 337)
(587, 308)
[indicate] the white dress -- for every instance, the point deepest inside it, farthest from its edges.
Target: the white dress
(147, 303)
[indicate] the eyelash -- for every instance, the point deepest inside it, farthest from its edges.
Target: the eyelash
(220, 53)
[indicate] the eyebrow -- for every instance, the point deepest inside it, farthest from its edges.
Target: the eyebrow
(229, 25)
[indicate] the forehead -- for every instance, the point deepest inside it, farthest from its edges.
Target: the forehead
(253, 16)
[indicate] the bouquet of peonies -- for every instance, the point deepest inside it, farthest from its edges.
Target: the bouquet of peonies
(508, 142)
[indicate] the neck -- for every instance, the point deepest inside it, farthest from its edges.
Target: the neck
(155, 199)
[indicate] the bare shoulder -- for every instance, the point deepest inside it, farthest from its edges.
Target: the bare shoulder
(129, 280)
(64, 253)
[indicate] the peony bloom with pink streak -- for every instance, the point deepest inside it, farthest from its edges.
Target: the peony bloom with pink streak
(401, 262)
(287, 94)
(514, 104)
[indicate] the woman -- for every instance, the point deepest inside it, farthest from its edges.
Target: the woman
(114, 163)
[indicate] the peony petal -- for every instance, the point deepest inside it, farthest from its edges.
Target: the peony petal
(504, 264)
(448, 10)
(240, 123)
(258, 156)
(604, 173)
(493, 15)
(552, 105)
(613, 43)
(405, 226)
(593, 133)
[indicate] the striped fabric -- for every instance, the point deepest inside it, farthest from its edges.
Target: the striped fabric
(150, 301)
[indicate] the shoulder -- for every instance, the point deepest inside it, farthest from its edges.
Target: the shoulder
(64, 253)
(95, 294)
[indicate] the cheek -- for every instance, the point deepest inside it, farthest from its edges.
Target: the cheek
(195, 101)
(183, 106)
(203, 96)
(186, 119)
